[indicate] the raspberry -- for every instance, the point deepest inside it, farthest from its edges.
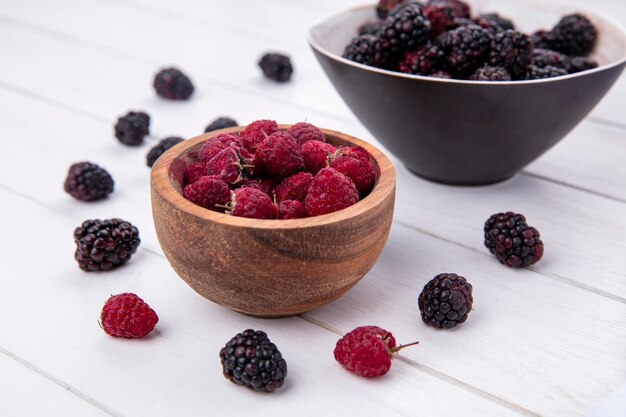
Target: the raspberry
(172, 84)
(266, 185)
(291, 209)
(160, 148)
(252, 360)
(230, 164)
(545, 57)
(303, 132)
(220, 123)
(209, 192)
(459, 8)
(216, 144)
(276, 67)
(579, 63)
(466, 47)
(384, 7)
(256, 132)
(279, 156)
(330, 191)
(445, 301)
(367, 351)
(574, 35)
(369, 28)
(425, 60)
(294, 187)
(104, 244)
(494, 23)
(441, 16)
(88, 182)
(512, 240)
(315, 155)
(367, 50)
(127, 315)
(511, 50)
(535, 73)
(405, 28)
(193, 172)
(360, 170)
(491, 74)
(251, 203)
(131, 128)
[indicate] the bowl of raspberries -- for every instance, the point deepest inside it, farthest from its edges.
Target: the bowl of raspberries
(466, 93)
(272, 220)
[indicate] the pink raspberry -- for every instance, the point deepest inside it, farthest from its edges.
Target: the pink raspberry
(355, 166)
(278, 156)
(208, 192)
(256, 132)
(230, 164)
(252, 203)
(194, 172)
(127, 315)
(315, 155)
(291, 209)
(330, 191)
(303, 132)
(214, 145)
(266, 185)
(294, 187)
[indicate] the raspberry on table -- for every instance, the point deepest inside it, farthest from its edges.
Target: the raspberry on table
(209, 192)
(512, 240)
(491, 74)
(159, 149)
(252, 360)
(330, 191)
(405, 28)
(367, 50)
(131, 128)
(291, 209)
(294, 187)
(573, 35)
(88, 182)
(359, 169)
(127, 315)
(426, 60)
(278, 156)
(221, 123)
(216, 144)
(276, 67)
(256, 132)
(445, 301)
(303, 132)
(173, 84)
(511, 50)
(251, 203)
(193, 172)
(466, 47)
(230, 164)
(104, 244)
(315, 155)
(534, 72)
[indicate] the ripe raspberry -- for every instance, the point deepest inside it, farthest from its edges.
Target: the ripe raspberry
(367, 351)
(330, 191)
(127, 315)
(291, 209)
(88, 182)
(251, 203)
(266, 185)
(214, 145)
(193, 172)
(354, 166)
(315, 155)
(512, 240)
(405, 28)
(131, 128)
(208, 192)
(159, 149)
(230, 164)
(445, 301)
(276, 67)
(425, 60)
(303, 132)
(172, 84)
(278, 156)
(441, 16)
(104, 244)
(294, 187)
(220, 123)
(256, 132)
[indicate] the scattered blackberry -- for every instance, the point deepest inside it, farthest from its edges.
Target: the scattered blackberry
(574, 35)
(276, 67)
(220, 123)
(405, 28)
(369, 28)
(160, 148)
(172, 84)
(491, 74)
(385, 6)
(494, 23)
(252, 360)
(466, 47)
(459, 8)
(441, 16)
(105, 244)
(544, 57)
(426, 60)
(512, 240)
(88, 182)
(131, 128)
(579, 63)
(445, 301)
(534, 72)
(511, 50)
(367, 50)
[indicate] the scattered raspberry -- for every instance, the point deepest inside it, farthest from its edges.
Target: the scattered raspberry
(208, 192)
(104, 244)
(291, 209)
(160, 148)
(276, 67)
(446, 301)
(256, 132)
(172, 84)
(251, 203)
(330, 191)
(230, 164)
(441, 16)
(221, 123)
(367, 351)
(127, 315)
(88, 182)
(294, 187)
(360, 170)
(193, 172)
(303, 132)
(512, 240)
(216, 144)
(131, 128)
(278, 156)
(315, 155)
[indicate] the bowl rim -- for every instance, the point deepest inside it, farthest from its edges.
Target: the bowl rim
(160, 183)
(583, 10)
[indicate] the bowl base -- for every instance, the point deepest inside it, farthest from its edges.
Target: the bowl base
(458, 182)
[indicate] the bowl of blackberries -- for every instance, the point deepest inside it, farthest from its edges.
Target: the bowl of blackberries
(469, 93)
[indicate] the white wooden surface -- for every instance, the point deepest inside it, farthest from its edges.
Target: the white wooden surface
(546, 341)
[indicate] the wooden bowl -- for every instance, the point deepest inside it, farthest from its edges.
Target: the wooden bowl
(269, 268)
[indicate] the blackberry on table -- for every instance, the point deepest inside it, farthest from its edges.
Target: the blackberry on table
(406, 28)
(491, 74)
(466, 47)
(88, 182)
(445, 301)
(221, 123)
(367, 50)
(512, 240)
(105, 244)
(173, 84)
(574, 35)
(511, 50)
(276, 67)
(160, 148)
(534, 72)
(131, 128)
(426, 60)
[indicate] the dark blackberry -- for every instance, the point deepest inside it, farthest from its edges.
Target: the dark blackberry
(172, 84)
(491, 74)
(540, 39)
(221, 123)
(466, 47)
(426, 60)
(445, 301)
(131, 128)
(160, 148)
(369, 28)
(252, 360)
(367, 50)
(580, 63)
(441, 16)
(276, 67)
(88, 182)
(104, 244)
(494, 23)
(511, 50)
(544, 57)
(534, 72)
(405, 28)
(512, 240)
(384, 7)
(574, 35)
(460, 9)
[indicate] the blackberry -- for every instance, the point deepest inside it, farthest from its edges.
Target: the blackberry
(445, 301)
(442, 74)
(441, 16)
(88, 182)
(540, 39)
(466, 47)
(172, 84)
(104, 244)
(131, 128)
(160, 148)
(252, 360)
(494, 23)
(426, 60)
(534, 72)
(276, 67)
(405, 28)
(574, 35)
(369, 28)
(544, 57)
(511, 50)
(460, 9)
(221, 123)
(491, 74)
(384, 7)
(367, 50)
(512, 240)
(579, 63)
